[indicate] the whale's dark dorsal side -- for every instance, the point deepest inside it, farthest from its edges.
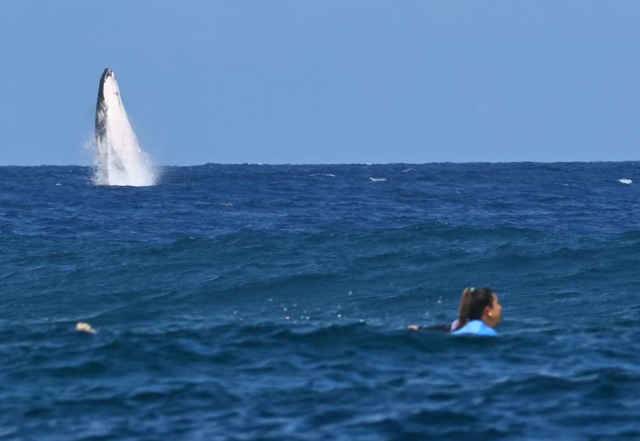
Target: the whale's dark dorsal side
(101, 111)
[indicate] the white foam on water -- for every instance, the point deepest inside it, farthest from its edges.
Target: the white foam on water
(118, 159)
(625, 181)
(328, 175)
(377, 179)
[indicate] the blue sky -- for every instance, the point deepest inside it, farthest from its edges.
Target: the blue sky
(326, 81)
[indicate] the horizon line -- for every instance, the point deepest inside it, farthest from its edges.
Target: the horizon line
(345, 163)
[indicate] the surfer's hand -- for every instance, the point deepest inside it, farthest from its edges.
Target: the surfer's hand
(414, 327)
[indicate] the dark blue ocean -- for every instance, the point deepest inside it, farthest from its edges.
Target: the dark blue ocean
(248, 302)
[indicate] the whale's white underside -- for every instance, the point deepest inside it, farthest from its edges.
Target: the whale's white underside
(119, 160)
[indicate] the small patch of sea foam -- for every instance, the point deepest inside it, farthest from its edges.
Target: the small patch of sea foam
(377, 179)
(625, 181)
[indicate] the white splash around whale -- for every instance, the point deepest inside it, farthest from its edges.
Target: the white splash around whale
(118, 158)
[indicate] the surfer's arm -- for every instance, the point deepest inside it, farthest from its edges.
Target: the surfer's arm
(437, 328)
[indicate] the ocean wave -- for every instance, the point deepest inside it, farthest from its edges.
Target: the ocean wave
(284, 316)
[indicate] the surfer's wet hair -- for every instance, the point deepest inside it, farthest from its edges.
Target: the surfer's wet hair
(472, 305)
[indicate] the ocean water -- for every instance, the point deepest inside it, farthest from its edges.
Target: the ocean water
(249, 302)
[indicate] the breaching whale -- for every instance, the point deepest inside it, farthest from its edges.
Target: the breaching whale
(119, 160)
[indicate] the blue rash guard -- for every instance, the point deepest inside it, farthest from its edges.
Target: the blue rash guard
(475, 327)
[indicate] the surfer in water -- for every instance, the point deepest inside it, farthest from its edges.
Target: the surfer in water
(480, 311)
